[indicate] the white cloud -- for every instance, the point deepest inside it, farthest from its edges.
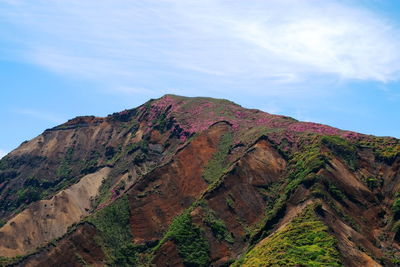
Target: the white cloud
(3, 153)
(274, 42)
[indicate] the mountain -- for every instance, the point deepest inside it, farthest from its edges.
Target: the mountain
(184, 181)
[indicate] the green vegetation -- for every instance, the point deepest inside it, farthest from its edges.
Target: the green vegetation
(38, 188)
(192, 246)
(216, 225)
(29, 189)
(396, 230)
(391, 253)
(336, 192)
(116, 155)
(342, 149)
(302, 169)
(385, 149)
(64, 171)
(270, 193)
(230, 202)
(305, 241)
(104, 192)
(217, 164)
(319, 191)
(131, 125)
(309, 161)
(30, 192)
(3, 164)
(90, 165)
(388, 153)
(141, 145)
(396, 207)
(162, 123)
(4, 261)
(372, 182)
(28, 195)
(114, 233)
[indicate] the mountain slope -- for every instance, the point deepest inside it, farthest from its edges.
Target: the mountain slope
(198, 181)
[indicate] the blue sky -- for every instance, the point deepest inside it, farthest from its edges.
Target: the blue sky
(333, 62)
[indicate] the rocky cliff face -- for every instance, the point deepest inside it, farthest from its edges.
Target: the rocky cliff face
(200, 182)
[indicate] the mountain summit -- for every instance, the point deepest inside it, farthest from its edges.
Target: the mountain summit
(199, 181)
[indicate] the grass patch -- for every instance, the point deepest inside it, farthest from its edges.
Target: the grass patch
(305, 162)
(114, 233)
(192, 246)
(305, 241)
(217, 164)
(104, 192)
(342, 149)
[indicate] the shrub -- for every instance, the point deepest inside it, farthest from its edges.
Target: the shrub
(396, 207)
(372, 182)
(336, 192)
(32, 181)
(141, 145)
(305, 241)
(230, 202)
(162, 123)
(396, 230)
(385, 149)
(192, 246)
(28, 195)
(64, 170)
(388, 153)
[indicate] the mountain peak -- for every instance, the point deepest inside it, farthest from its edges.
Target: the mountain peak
(197, 181)
(195, 114)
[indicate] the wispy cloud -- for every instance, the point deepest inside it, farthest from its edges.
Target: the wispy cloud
(45, 116)
(273, 42)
